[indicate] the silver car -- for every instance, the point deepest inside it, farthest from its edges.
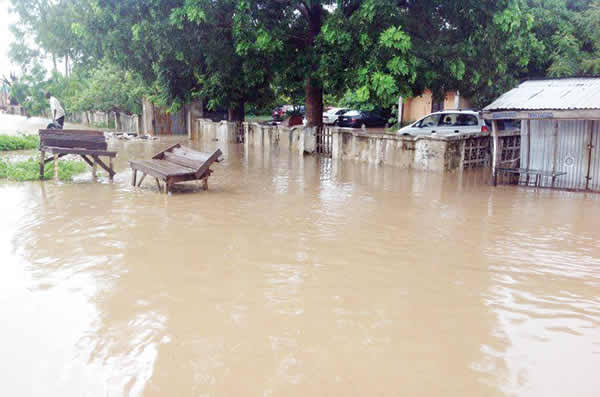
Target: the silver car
(447, 122)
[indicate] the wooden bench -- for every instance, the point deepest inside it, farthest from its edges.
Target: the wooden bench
(175, 164)
(90, 145)
(538, 174)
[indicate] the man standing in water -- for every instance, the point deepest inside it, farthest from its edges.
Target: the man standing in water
(58, 113)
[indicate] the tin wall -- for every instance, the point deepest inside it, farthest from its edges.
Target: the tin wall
(562, 146)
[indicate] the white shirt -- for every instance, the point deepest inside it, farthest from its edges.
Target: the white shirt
(55, 105)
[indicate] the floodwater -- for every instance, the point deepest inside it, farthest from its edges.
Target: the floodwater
(294, 276)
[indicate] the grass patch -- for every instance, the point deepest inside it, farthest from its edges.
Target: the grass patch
(29, 170)
(19, 142)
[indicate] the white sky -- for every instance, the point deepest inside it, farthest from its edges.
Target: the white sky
(6, 19)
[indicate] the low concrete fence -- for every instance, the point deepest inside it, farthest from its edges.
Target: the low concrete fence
(429, 153)
(222, 131)
(298, 139)
(129, 123)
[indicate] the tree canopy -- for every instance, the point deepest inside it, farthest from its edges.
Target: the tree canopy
(234, 53)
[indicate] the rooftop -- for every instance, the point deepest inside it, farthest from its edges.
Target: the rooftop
(558, 94)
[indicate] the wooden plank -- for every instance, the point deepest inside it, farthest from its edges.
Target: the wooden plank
(75, 137)
(56, 167)
(183, 161)
(142, 179)
(163, 168)
(73, 143)
(42, 163)
(91, 152)
(101, 163)
(49, 159)
(494, 152)
(71, 131)
(87, 160)
(159, 155)
(193, 154)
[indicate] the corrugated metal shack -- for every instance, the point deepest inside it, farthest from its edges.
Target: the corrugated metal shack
(560, 128)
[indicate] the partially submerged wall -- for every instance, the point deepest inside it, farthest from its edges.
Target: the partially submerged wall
(298, 138)
(223, 131)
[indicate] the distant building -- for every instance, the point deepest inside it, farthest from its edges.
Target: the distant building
(418, 107)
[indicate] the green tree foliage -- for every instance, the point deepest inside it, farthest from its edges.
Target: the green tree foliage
(239, 52)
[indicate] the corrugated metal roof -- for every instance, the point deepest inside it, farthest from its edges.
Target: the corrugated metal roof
(561, 94)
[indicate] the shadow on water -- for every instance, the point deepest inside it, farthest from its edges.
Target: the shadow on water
(295, 275)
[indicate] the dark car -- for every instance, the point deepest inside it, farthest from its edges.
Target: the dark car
(358, 118)
(282, 112)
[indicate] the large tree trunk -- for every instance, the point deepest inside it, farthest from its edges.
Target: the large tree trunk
(313, 88)
(54, 62)
(236, 112)
(314, 103)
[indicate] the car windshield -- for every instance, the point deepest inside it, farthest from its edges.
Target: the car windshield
(352, 113)
(341, 111)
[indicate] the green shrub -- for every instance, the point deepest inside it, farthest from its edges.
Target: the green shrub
(19, 142)
(29, 170)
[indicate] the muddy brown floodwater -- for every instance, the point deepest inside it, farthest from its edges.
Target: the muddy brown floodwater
(295, 276)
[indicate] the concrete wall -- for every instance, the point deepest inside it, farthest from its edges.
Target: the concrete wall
(298, 139)
(422, 153)
(222, 131)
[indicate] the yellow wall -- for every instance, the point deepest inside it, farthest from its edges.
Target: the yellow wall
(419, 107)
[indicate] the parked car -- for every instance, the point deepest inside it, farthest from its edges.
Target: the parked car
(447, 122)
(281, 112)
(332, 114)
(358, 118)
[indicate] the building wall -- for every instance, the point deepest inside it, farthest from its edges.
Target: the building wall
(419, 107)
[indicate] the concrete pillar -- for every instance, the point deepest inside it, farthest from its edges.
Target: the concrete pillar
(400, 109)
(457, 100)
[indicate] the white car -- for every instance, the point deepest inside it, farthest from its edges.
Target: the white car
(447, 122)
(332, 115)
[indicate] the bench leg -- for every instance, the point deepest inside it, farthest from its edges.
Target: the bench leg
(110, 165)
(94, 169)
(56, 167)
(205, 183)
(158, 185)
(42, 163)
(133, 177)
(141, 179)
(168, 185)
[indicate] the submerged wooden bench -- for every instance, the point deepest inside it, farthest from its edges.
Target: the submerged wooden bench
(175, 164)
(538, 174)
(90, 145)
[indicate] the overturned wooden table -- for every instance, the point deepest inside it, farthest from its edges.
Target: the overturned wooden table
(90, 145)
(175, 164)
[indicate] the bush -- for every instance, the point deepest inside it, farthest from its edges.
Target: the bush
(29, 170)
(19, 142)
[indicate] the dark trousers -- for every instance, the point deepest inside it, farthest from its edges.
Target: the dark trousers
(60, 121)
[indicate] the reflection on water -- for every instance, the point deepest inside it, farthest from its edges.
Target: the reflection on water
(298, 276)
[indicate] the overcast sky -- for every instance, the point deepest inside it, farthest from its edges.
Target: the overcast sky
(6, 38)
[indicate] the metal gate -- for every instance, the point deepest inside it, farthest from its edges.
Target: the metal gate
(240, 136)
(570, 146)
(324, 140)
